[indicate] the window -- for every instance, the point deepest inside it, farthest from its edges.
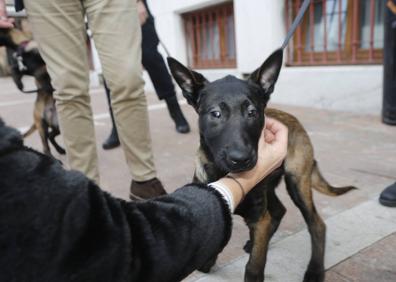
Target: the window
(337, 32)
(210, 37)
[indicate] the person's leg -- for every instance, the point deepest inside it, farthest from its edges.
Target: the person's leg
(388, 196)
(112, 141)
(116, 32)
(58, 27)
(155, 65)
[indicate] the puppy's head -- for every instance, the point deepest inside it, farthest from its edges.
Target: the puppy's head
(231, 110)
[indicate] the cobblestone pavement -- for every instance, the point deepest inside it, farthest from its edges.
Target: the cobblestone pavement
(351, 149)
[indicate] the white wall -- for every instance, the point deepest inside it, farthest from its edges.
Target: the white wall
(345, 88)
(260, 29)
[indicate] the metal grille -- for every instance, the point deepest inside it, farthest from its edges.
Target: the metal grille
(337, 32)
(210, 37)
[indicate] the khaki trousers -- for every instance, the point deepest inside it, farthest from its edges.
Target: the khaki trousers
(58, 27)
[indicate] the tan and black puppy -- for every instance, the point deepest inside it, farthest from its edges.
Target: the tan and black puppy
(231, 118)
(24, 59)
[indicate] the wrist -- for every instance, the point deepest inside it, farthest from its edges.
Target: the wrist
(247, 180)
(234, 188)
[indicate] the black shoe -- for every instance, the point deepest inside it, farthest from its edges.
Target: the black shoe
(146, 190)
(112, 141)
(177, 115)
(388, 196)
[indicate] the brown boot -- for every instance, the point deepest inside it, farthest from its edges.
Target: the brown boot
(146, 190)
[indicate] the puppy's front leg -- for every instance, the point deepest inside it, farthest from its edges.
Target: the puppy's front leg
(261, 232)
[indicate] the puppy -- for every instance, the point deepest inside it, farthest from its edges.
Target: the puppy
(231, 118)
(24, 59)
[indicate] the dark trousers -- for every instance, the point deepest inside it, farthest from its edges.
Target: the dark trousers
(154, 63)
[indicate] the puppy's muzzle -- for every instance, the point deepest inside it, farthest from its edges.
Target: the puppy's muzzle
(238, 160)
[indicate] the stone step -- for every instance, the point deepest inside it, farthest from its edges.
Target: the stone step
(347, 233)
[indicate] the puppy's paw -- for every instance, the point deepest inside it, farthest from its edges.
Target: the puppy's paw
(253, 277)
(314, 276)
(248, 246)
(208, 265)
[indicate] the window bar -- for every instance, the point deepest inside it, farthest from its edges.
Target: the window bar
(224, 27)
(211, 31)
(198, 38)
(204, 57)
(193, 41)
(219, 26)
(299, 43)
(288, 49)
(191, 30)
(339, 31)
(188, 40)
(324, 6)
(311, 30)
(355, 41)
(233, 59)
(226, 51)
(372, 23)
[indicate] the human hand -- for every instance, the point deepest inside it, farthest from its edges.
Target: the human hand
(272, 150)
(5, 22)
(142, 12)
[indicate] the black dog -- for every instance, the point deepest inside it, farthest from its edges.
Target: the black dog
(231, 118)
(24, 59)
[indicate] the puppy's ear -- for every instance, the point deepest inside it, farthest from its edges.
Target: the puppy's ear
(267, 75)
(189, 81)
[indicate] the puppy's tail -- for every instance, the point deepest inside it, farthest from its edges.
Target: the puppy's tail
(319, 183)
(30, 131)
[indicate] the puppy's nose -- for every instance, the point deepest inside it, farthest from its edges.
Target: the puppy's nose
(238, 157)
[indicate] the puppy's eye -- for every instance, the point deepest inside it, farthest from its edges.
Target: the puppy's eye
(252, 113)
(215, 114)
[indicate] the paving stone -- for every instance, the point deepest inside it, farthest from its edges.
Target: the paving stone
(332, 276)
(375, 263)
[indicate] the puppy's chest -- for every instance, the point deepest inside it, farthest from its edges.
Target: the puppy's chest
(205, 170)
(255, 202)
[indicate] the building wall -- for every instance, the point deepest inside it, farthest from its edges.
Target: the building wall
(260, 29)
(355, 89)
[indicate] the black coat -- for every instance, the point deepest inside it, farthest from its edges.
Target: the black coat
(57, 225)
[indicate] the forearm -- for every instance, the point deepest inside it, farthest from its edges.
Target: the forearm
(181, 231)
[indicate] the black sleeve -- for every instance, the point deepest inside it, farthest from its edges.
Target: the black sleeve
(175, 234)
